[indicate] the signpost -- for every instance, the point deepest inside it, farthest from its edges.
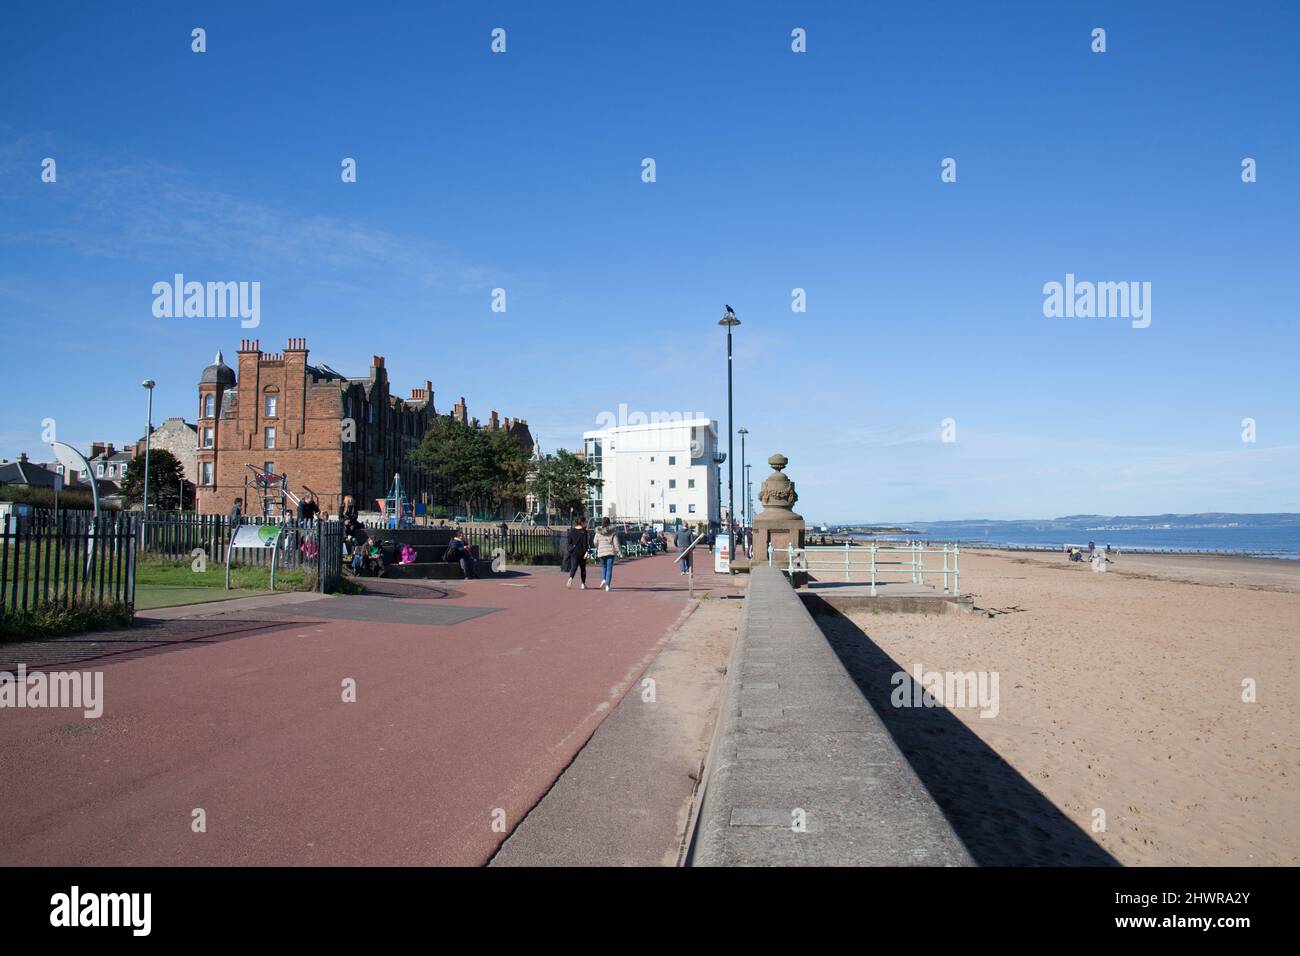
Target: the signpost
(72, 460)
(722, 553)
(256, 537)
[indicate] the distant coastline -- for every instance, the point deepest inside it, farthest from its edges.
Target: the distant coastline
(1244, 535)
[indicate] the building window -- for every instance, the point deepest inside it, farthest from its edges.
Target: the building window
(59, 469)
(270, 409)
(209, 406)
(691, 508)
(672, 509)
(205, 473)
(268, 438)
(207, 438)
(672, 459)
(99, 470)
(268, 467)
(690, 482)
(672, 482)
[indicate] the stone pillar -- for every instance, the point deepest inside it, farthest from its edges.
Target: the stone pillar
(777, 524)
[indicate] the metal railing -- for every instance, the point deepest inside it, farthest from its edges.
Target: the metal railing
(175, 537)
(909, 559)
(70, 559)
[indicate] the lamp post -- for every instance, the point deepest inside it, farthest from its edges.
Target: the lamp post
(749, 495)
(744, 510)
(148, 384)
(730, 321)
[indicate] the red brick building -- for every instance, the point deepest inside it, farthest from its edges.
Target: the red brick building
(326, 432)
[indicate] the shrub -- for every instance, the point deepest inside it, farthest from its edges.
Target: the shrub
(73, 498)
(53, 620)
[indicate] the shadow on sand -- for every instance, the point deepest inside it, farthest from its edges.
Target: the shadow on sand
(1000, 816)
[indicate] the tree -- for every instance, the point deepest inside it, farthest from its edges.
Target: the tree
(510, 466)
(561, 481)
(166, 478)
(480, 469)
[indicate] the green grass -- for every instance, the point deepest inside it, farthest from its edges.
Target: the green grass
(172, 584)
(180, 574)
(150, 596)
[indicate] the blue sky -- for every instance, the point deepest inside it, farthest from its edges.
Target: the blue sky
(775, 170)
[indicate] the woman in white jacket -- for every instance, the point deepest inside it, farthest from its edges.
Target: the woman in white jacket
(607, 549)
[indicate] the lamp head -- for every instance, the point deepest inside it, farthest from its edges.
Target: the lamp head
(148, 383)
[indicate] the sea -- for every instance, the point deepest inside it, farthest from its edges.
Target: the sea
(1265, 541)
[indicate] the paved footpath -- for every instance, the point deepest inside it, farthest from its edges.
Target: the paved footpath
(471, 699)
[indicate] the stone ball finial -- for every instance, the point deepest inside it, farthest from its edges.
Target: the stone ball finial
(778, 461)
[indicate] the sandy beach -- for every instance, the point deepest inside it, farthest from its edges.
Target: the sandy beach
(1120, 701)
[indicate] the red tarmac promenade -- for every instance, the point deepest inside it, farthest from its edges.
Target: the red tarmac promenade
(471, 698)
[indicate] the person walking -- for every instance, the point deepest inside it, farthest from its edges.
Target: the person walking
(575, 553)
(682, 541)
(607, 549)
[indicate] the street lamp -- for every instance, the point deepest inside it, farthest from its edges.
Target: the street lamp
(749, 496)
(148, 384)
(744, 511)
(730, 320)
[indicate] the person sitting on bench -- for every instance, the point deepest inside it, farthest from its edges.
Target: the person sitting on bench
(460, 552)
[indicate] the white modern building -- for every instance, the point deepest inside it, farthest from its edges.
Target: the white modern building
(661, 471)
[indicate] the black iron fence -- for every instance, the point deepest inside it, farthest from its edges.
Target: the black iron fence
(315, 546)
(66, 559)
(525, 545)
(329, 560)
(177, 536)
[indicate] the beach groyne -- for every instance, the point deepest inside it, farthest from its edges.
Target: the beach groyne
(801, 771)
